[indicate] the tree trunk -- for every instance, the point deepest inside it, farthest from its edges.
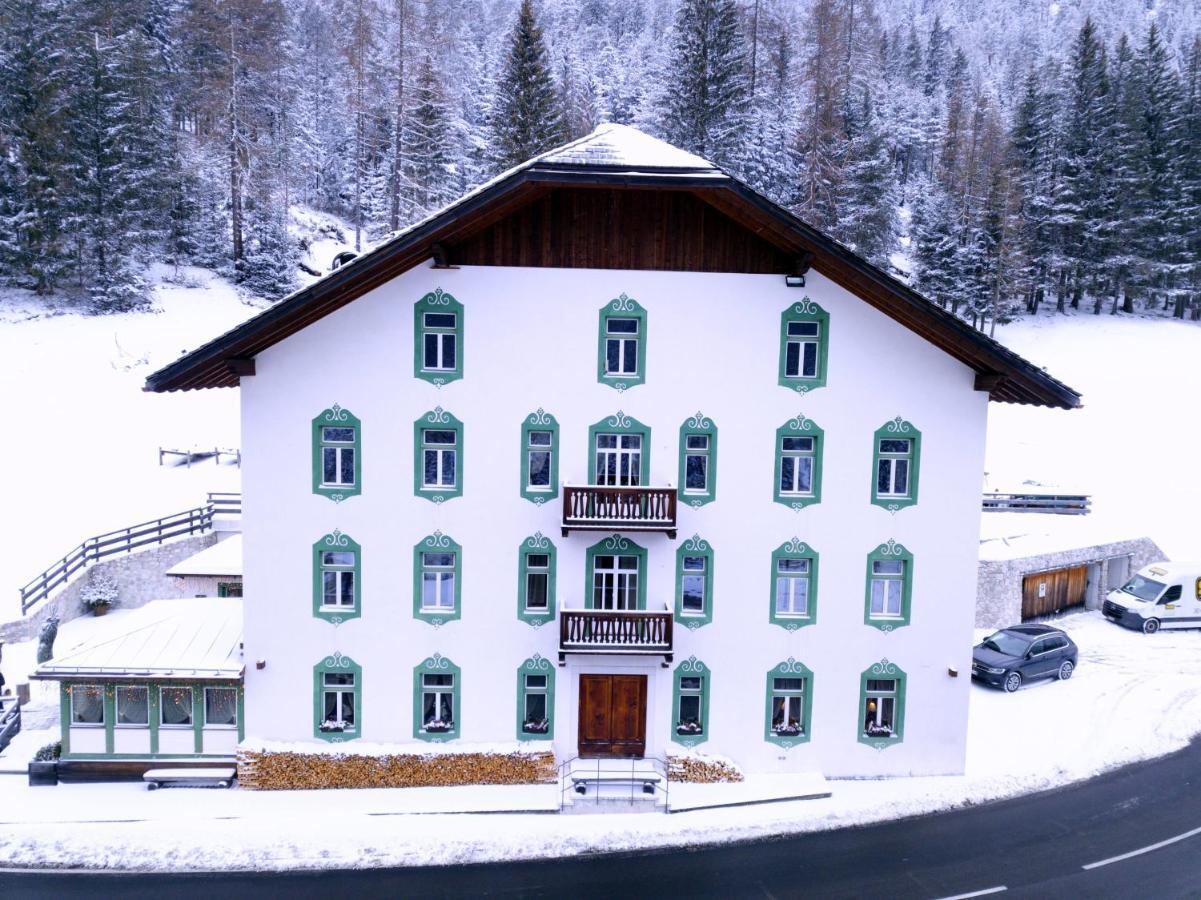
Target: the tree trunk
(394, 213)
(235, 165)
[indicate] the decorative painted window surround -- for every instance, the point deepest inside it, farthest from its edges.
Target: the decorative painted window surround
(690, 703)
(698, 461)
(804, 346)
(612, 585)
(337, 435)
(794, 583)
(798, 478)
(536, 579)
(694, 569)
(436, 690)
(536, 700)
(438, 338)
(437, 461)
(621, 344)
(881, 705)
(539, 457)
(335, 557)
(895, 469)
(618, 468)
(337, 699)
(787, 721)
(890, 585)
(437, 559)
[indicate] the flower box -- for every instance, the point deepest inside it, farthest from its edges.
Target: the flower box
(787, 730)
(536, 726)
(437, 726)
(688, 728)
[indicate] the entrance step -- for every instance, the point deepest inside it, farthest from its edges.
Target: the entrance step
(614, 785)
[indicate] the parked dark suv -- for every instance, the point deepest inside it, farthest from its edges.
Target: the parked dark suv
(1022, 653)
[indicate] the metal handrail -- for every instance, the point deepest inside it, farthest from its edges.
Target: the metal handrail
(10, 720)
(606, 766)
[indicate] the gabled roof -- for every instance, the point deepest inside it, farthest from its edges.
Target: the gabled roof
(222, 558)
(617, 156)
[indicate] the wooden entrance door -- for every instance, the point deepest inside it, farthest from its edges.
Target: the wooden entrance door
(1049, 592)
(612, 715)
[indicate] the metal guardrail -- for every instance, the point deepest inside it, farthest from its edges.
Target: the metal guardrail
(1062, 504)
(125, 540)
(613, 773)
(10, 720)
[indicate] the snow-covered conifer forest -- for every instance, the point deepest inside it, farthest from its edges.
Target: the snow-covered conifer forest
(1002, 155)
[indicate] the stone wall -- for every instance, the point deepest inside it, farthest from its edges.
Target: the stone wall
(140, 578)
(999, 584)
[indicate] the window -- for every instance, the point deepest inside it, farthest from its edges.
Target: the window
(438, 456)
(694, 582)
(539, 457)
(337, 460)
(622, 344)
(794, 585)
(221, 707)
(1171, 595)
(536, 580)
(438, 338)
(889, 581)
(804, 339)
(698, 461)
(535, 700)
(615, 568)
(882, 704)
(437, 571)
(896, 452)
(336, 582)
(87, 704)
(338, 686)
(436, 699)
(619, 452)
(789, 704)
(691, 703)
(799, 463)
(175, 707)
(133, 706)
(229, 589)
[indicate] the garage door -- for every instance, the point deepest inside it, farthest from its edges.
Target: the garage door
(1045, 593)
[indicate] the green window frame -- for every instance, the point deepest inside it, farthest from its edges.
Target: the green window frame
(694, 569)
(438, 456)
(698, 461)
(789, 716)
(804, 346)
(337, 434)
(437, 685)
(335, 576)
(334, 718)
(229, 589)
(438, 338)
(536, 563)
(881, 709)
(896, 471)
(794, 583)
(616, 465)
(691, 687)
(539, 457)
(437, 559)
(621, 335)
(798, 477)
(536, 691)
(615, 578)
(889, 587)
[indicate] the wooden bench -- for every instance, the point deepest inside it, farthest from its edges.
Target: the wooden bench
(649, 781)
(156, 778)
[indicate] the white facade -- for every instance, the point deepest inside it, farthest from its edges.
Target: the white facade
(530, 342)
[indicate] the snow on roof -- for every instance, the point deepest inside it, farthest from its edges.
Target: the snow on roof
(166, 639)
(1017, 535)
(621, 145)
(222, 558)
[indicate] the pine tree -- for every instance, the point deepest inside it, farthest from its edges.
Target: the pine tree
(936, 259)
(428, 149)
(526, 118)
(865, 202)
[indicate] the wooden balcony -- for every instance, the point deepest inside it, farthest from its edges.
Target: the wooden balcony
(594, 508)
(612, 631)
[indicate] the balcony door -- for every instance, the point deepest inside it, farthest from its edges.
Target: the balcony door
(619, 460)
(612, 715)
(615, 582)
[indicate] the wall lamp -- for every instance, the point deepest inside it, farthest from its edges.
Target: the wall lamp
(796, 278)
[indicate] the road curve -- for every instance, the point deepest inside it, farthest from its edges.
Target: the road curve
(1141, 823)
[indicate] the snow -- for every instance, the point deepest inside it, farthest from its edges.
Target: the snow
(222, 558)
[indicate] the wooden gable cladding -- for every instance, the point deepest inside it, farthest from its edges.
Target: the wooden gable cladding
(620, 228)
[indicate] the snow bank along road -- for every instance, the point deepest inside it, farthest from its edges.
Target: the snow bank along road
(1135, 832)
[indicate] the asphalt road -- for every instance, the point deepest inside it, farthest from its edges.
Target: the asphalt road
(1043, 845)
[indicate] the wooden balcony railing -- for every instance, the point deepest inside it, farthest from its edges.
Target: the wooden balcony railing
(595, 508)
(634, 632)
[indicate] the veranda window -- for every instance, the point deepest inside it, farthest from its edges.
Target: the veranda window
(87, 704)
(221, 707)
(133, 705)
(175, 707)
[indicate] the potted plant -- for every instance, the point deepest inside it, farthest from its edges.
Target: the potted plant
(333, 726)
(43, 768)
(438, 726)
(535, 726)
(874, 730)
(791, 729)
(99, 593)
(689, 726)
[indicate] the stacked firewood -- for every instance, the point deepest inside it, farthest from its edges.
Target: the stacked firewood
(701, 770)
(267, 770)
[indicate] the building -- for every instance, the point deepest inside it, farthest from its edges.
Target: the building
(614, 456)
(216, 571)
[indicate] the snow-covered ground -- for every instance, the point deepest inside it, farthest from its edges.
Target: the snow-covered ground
(1132, 698)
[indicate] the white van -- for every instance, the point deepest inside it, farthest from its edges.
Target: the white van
(1161, 595)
